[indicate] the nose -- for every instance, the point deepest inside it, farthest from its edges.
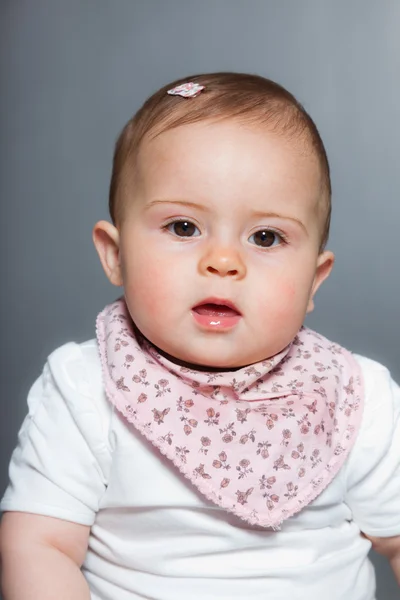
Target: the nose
(223, 261)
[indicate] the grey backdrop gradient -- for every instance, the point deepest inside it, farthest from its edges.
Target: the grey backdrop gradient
(72, 73)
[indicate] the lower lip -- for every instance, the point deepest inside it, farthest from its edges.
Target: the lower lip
(216, 322)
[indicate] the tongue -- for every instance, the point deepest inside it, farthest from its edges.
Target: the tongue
(216, 310)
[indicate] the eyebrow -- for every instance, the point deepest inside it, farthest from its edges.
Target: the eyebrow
(269, 215)
(257, 214)
(179, 202)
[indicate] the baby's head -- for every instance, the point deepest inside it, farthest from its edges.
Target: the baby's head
(221, 207)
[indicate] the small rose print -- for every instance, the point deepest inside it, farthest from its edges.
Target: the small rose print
(166, 439)
(213, 417)
(181, 452)
(128, 360)
(339, 450)
(288, 412)
(159, 415)
(141, 377)
(243, 496)
(286, 435)
(229, 433)
(262, 449)
(236, 385)
(312, 407)
(331, 407)
(184, 405)
(291, 490)
(280, 464)
(248, 436)
(276, 387)
(305, 424)
(271, 500)
(252, 371)
(205, 443)
(321, 391)
(299, 453)
(120, 383)
(349, 388)
(295, 384)
(241, 415)
(266, 482)
(131, 411)
(188, 424)
(315, 458)
(162, 388)
(320, 367)
(244, 468)
(316, 379)
(221, 462)
(320, 427)
(200, 472)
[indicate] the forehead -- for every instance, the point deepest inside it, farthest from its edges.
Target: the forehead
(230, 160)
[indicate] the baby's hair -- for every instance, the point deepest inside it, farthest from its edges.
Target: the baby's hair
(249, 98)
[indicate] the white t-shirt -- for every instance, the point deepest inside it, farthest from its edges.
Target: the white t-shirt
(154, 536)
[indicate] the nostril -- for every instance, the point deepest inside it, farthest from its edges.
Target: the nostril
(212, 270)
(223, 272)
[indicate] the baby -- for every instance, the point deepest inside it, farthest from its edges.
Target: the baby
(207, 445)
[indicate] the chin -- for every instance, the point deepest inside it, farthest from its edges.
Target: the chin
(219, 364)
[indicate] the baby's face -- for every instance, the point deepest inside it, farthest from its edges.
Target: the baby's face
(219, 245)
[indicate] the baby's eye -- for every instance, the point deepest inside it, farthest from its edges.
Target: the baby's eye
(183, 229)
(266, 238)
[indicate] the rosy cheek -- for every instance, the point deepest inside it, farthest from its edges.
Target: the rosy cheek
(144, 281)
(281, 300)
(287, 291)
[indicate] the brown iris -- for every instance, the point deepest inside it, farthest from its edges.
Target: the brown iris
(265, 238)
(184, 228)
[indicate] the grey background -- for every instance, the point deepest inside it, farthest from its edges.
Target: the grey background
(73, 72)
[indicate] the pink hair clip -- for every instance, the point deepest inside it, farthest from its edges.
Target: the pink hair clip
(186, 90)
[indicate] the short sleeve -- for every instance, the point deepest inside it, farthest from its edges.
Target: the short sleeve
(373, 468)
(60, 465)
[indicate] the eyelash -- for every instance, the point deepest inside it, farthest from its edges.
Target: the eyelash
(283, 238)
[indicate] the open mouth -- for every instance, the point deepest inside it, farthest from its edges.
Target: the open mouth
(213, 309)
(216, 314)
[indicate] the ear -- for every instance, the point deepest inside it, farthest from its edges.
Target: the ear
(106, 241)
(325, 264)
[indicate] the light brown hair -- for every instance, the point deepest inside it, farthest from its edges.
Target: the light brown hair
(249, 98)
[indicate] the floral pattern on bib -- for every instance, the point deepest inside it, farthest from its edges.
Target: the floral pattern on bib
(262, 441)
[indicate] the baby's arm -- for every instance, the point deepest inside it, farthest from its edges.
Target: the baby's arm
(41, 558)
(58, 475)
(373, 469)
(390, 548)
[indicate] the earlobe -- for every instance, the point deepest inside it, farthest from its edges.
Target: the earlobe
(107, 243)
(325, 264)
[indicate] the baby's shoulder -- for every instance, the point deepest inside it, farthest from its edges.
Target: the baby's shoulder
(378, 383)
(381, 405)
(75, 369)
(76, 364)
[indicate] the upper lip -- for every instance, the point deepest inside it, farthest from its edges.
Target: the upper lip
(218, 302)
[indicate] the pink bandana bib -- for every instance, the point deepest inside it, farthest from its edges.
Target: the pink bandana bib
(262, 441)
